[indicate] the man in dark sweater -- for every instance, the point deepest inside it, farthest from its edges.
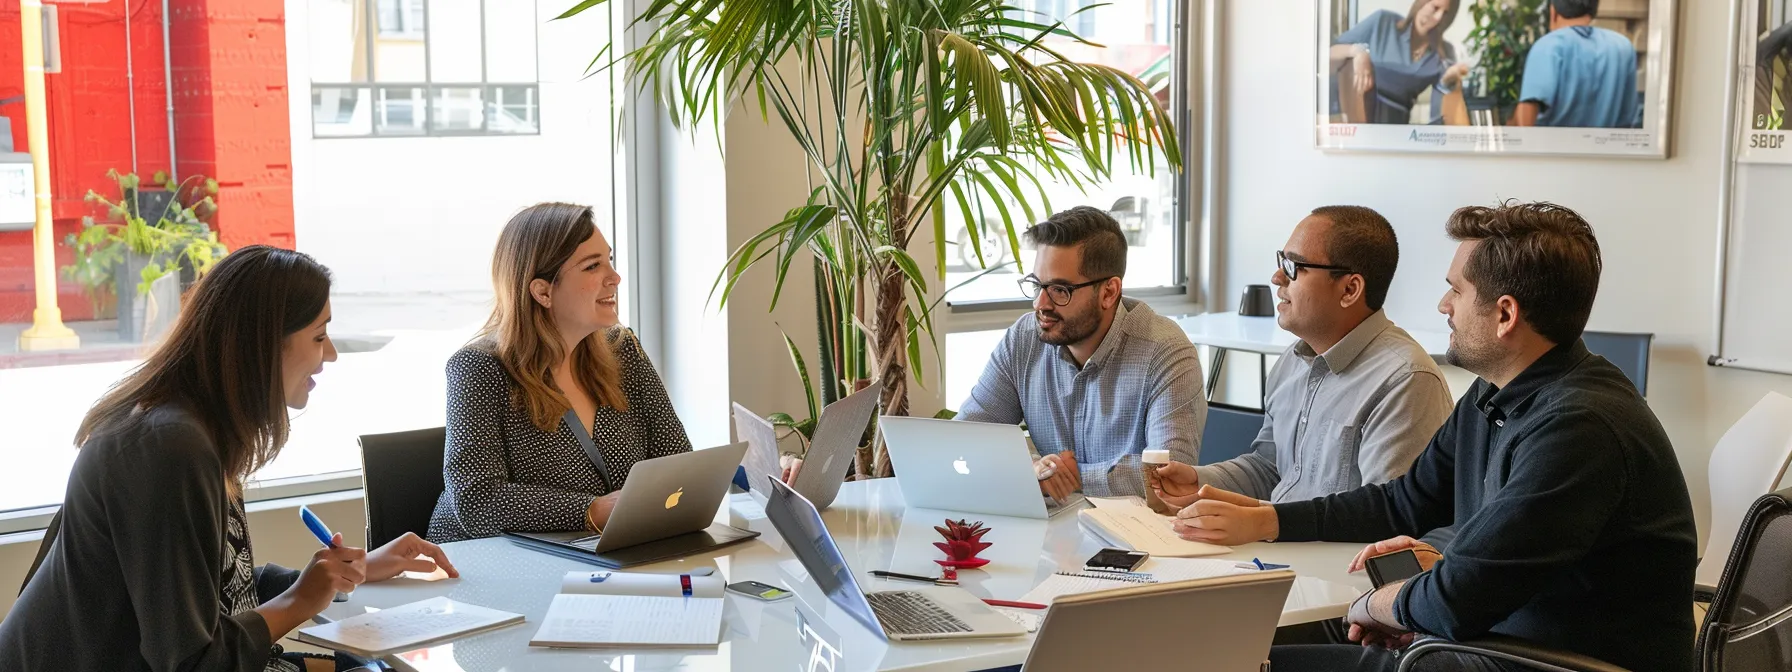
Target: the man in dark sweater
(1574, 527)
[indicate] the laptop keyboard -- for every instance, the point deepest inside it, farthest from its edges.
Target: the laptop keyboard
(905, 612)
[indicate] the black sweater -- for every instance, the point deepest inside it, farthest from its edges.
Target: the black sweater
(1574, 527)
(133, 580)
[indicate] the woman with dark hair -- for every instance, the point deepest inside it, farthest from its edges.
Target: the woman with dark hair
(1386, 61)
(554, 403)
(148, 564)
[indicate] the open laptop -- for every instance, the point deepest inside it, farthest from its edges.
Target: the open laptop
(1224, 624)
(837, 435)
(923, 612)
(665, 511)
(974, 467)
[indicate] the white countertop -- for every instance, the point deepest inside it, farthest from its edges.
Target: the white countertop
(873, 530)
(1261, 335)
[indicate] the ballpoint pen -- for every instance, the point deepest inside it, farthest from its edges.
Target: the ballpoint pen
(1016, 605)
(910, 577)
(323, 534)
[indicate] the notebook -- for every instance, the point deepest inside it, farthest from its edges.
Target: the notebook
(1138, 528)
(1162, 570)
(407, 628)
(601, 609)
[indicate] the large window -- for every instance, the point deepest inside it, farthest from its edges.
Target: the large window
(1138, 37)
(428, 67)
(406, 224)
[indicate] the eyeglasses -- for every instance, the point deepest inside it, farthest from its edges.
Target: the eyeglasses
(1291, 268)
(1060, 294)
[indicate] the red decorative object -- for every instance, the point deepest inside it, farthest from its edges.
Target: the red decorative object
(963, 542)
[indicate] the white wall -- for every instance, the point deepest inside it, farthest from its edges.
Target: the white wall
(422, 214)
(1656, 220)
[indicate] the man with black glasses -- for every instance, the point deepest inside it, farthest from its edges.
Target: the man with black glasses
(1356, 399)
(1097, 377)
(1574, 527)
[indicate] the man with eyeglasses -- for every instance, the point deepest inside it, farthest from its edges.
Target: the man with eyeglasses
(1356, 399)
(1097, 377)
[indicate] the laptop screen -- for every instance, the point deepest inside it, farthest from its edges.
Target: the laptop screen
(800, 525)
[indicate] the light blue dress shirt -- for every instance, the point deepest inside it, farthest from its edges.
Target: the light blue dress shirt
(1583, 77)
(1140, 390)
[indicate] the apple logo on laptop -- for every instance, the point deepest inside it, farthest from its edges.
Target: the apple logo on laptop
(960, 466)
(672, 500)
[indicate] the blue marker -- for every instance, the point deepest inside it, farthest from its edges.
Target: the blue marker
(323, 534)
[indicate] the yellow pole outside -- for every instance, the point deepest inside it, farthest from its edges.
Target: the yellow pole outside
(47, 331)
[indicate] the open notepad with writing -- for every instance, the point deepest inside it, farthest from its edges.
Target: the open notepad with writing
(1123, 523)
(600, 609)
(406, 628)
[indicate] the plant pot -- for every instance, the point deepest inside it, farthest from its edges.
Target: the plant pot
(143, 317)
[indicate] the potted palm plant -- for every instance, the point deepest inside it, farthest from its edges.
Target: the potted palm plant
(153, 241)
(903, 108)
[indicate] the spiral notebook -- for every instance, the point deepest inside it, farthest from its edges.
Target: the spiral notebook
(1161, 570)
(601, 609)
(407, 628)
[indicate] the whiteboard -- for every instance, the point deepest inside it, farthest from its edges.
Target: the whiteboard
(1757, 308)
(1755, 318)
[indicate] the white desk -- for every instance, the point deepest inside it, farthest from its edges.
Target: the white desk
(868, 521)
(1260, 335)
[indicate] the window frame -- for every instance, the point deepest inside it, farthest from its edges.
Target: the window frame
(405, 29)
(1184, 294)
(432, 90)
(634, 146)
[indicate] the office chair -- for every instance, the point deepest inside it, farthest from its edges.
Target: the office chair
(1749, 626)
(1229, 431)
(1628, 352)
(401, 480)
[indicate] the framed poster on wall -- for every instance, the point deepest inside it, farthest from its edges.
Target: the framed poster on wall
(1540, 77)
(1766, 85)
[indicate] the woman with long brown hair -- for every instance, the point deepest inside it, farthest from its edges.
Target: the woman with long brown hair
(1386, 61)
(148, 564)
(554, 402)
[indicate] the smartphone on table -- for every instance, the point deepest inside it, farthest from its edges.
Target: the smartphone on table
(1397, 566)
(1117, 559)
(758, 591)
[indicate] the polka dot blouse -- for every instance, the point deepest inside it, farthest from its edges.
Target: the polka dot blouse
(503, 473)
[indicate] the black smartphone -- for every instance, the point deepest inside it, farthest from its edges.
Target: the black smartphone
(1117, 558)
(1396, 566)
(758, 591)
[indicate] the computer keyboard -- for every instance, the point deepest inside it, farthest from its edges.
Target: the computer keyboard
(905, 612)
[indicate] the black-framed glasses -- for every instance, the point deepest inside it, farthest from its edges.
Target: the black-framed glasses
(1291, 268)
(1030, 286)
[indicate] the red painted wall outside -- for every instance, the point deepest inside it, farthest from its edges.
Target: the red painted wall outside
(231, 120)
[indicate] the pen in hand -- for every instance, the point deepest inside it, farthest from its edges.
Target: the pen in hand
(323, 534)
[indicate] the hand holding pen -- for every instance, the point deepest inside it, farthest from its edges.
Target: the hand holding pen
(333, 549)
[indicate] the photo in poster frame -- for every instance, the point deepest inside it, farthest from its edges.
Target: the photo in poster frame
(1446, 81)
(1764, 89)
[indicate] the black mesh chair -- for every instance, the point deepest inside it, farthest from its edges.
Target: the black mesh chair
(1749, 625)
(1229, 431)
(401, 477)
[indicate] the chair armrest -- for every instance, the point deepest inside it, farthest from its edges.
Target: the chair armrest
(1703, 594)
(1510, 649)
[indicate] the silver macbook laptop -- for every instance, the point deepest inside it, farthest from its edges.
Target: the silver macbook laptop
(1223, 623)
(927, 612)
(837, 435)
(667, 509)
(975, 467)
